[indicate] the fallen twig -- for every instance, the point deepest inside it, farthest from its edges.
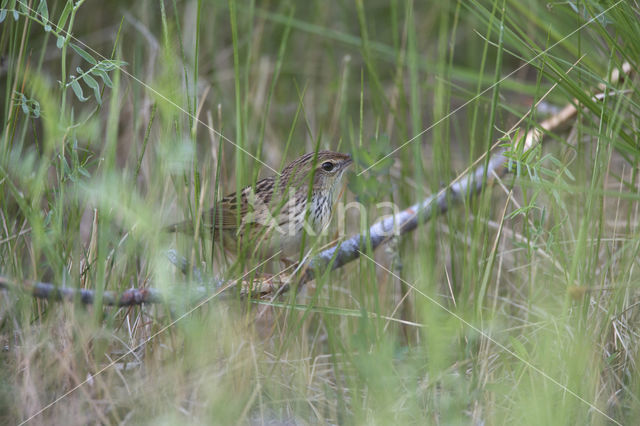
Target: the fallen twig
(48, 291)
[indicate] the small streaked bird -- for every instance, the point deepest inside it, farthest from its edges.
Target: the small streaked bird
(274, 214)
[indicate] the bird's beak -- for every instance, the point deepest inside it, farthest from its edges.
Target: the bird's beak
(348, 161)
(345, 165)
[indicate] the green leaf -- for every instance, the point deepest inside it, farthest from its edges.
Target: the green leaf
(43, 10)
(77, 90)
(35, 111)
(85, 55)
(110, 65)
(92, 83)
(84, 172)
(65, 15)
(65, 166)
(30, 107)
(103, 75)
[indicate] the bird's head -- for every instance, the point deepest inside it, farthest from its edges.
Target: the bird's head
(326, 168)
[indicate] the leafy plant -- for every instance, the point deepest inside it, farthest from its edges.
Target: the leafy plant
(98, 69)
(30, 107)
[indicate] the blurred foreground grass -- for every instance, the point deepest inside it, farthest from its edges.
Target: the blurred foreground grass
(105, 143)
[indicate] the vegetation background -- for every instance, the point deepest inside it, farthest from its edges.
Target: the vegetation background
(112, 116)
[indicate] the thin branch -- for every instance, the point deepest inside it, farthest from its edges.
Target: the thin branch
(48, 291)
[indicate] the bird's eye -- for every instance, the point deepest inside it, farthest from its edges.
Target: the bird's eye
(327, 166)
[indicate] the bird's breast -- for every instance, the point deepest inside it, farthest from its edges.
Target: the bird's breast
(320, 212)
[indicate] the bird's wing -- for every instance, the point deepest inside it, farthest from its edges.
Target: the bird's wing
(252, 204)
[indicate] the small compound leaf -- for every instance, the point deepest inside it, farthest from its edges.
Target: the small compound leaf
(103, 75)
(77, 90)
(106, 66)
(92, 83)
(111, 64)
(30, 107)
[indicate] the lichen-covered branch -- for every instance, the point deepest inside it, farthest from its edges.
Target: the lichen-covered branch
(48, 291)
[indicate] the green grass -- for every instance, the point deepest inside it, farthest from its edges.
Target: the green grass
(538, 275)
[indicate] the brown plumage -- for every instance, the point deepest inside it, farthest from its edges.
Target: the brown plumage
(276, 213)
